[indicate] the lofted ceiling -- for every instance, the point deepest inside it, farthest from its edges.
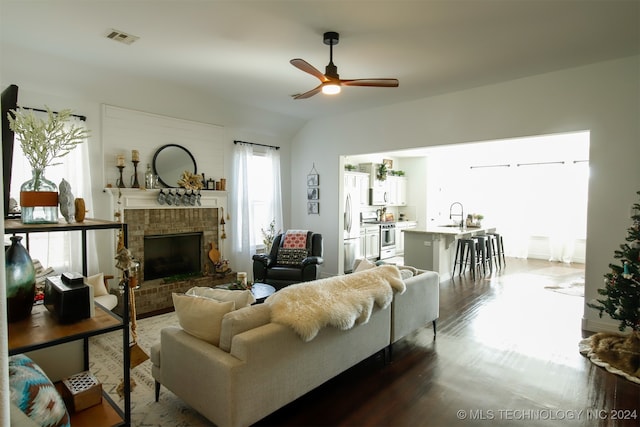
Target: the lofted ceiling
(240, 50)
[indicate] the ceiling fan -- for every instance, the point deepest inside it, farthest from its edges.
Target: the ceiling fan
(330, 80)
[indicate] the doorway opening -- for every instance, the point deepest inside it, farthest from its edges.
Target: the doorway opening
(533, 189)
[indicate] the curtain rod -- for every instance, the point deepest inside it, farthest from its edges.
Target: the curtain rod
(83, 118)
(255, 143)
(540, 163)
(490, 166)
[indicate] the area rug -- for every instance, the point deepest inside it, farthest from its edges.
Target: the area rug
(572, 288)
(616, 353)
(106, 365)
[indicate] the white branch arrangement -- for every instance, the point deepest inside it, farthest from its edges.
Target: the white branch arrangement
(43, 141)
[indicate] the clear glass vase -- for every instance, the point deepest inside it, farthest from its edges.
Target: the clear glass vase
(39, 200)
(20, 281)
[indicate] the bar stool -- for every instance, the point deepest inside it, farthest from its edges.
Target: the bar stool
(499, 249)
(481, 250)
(492, 252)
(466, 255)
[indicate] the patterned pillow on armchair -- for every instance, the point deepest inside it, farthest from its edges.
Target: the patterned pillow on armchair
(35, 395)
(289, 256)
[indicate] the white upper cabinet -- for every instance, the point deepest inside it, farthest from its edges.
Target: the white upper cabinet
(397, 186)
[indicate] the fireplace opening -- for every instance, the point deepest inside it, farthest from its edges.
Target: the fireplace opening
(169, 255)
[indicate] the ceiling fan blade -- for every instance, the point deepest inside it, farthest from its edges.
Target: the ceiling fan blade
(303, 65)
(308, 94)
(371, 82)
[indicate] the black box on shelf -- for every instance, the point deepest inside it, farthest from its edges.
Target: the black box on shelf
(72, 279)
(68, 303)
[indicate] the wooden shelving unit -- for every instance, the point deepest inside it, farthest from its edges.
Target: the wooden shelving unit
(41, 330)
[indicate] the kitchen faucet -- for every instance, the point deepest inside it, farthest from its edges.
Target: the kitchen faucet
(461, 214)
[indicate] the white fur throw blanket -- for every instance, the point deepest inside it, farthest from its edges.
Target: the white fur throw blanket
(340, 301)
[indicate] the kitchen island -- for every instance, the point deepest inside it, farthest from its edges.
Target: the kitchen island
(434, 248)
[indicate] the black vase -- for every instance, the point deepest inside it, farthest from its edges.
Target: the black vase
(21, 281)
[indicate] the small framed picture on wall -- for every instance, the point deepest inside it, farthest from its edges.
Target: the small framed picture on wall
(313, 180)
(313, 208)
(313, 193)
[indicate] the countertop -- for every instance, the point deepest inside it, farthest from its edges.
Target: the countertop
(451, 231)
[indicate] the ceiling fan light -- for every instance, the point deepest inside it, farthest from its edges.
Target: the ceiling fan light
(330, 88)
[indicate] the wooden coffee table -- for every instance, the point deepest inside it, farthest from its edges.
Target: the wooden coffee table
(260, 291)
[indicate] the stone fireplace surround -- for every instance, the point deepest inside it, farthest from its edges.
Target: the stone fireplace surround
(154, 222)
(145, 217)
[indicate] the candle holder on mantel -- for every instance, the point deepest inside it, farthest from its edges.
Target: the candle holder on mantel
(120, 181)
(135, 183)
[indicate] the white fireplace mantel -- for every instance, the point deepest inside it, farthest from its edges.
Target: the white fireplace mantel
(134, 198)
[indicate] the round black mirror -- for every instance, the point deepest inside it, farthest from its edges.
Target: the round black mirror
(170, 162)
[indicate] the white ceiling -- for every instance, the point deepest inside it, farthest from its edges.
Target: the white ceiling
(240, 50)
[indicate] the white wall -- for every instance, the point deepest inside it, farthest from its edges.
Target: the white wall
(602, 98)
(46, 80)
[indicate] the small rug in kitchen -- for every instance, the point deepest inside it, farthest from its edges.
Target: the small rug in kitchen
(571, 288)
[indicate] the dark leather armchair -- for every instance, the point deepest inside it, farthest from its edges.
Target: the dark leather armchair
(279, 272)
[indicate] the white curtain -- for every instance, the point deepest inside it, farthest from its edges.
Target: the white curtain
(255, 200)
(275, 208)
(61, 251)
(240, 201)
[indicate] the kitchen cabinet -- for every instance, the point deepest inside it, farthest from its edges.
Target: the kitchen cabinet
(397, 186)
(378, 191)
(400, 227)
(362, 247)
(363, 180)
(372, 242)
(42, 330)
(357, 183)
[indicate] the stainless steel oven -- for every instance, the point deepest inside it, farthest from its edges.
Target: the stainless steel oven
(387, 240)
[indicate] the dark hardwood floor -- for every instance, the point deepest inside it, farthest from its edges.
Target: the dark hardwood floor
(506, 354)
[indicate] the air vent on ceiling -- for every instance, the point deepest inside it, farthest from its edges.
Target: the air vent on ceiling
(121, 36)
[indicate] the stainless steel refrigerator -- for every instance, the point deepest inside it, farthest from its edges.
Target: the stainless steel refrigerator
(351, 221)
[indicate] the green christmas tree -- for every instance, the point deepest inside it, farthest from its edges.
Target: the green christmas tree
(622, 284)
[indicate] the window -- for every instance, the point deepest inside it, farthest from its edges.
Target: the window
(261, 195)
(61, 251)
(255, 201)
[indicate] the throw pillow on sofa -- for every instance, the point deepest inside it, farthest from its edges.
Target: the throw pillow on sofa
(363, 264)
(35, 395)
(405, 274)
(201, 317)
(241, 298)
(405, 271)
(97, 282)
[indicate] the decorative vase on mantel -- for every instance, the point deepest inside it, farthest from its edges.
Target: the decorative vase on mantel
(20, 281)
(39, 200)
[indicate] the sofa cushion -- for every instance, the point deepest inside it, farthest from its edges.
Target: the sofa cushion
(364, 264)
(97, 282)
(291, 256)
(414, 271)
(35, 395)
(201, 317)
(242, 320)
(241, 298)
(405, 274)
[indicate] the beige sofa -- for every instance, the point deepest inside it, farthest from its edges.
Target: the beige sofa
(260, 366)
